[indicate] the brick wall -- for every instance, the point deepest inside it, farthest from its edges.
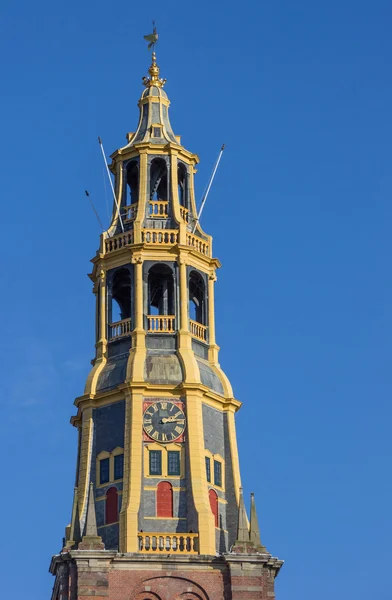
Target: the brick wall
(110, 576)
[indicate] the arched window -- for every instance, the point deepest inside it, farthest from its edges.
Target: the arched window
(197, 298)
(182, 184)
(164, 499)
(121, 296)
(158, 180)
(160, 290)
(133, 183)
(213, 496)
(111, 508)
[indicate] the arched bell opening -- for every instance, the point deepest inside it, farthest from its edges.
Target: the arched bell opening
(197, 306)
(159, 189)
(120, 304)
(182, 182)
(132, 183)
(161, 312)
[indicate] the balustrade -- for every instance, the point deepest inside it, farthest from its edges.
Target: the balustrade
(163, 237)
(184, 212)
(118, 241)
(120, 329)
(161, 323)
(198, 330)
(130, 212)
(176, 543)
(198, 244)
(159, 209)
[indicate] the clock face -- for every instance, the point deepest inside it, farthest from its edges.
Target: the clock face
(164, 421)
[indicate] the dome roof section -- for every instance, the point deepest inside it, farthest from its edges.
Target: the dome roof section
(154, 125)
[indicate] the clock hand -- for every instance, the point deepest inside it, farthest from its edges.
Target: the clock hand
(170, 420)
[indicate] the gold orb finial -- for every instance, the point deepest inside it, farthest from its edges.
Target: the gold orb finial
(154, 78)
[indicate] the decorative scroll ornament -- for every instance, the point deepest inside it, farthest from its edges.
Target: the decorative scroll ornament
(154, 74)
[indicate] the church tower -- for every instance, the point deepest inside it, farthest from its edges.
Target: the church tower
(158, 511)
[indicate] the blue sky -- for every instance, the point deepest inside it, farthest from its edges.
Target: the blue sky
(301, 217)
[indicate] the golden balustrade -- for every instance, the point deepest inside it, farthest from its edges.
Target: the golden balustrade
(184, 212)
(198, 244)
(161, 323)
(159, 209)
(198, 330)
(162, 237)
(130, 212)
(119, 241)
(120, 329)
(157, 237)
(171, 543)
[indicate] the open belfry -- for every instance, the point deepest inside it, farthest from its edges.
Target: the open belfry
(158, 511)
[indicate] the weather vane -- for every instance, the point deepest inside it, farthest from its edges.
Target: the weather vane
(152, 38)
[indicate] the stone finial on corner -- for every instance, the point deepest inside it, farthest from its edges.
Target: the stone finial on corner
(91, 540)
(254, 533)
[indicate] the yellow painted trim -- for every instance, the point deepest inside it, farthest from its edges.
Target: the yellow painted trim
(206, 525)
(85, 463)
(132, 474)
(234, 454)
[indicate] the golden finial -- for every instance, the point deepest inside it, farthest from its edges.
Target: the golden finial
(154, 79)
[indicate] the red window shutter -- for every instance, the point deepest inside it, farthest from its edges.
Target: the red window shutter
(214, 505)
(111, 512)
(164, 499)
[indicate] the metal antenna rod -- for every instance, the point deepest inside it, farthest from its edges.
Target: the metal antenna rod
(94, 209)
(208, 187)
(111, 183)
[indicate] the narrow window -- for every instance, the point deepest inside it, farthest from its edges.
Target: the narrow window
(164, 499)
(217, 473)
(118, 466)
(213, 496)
(155, 462)
(111, 508)
(173, 462)
(157, 132)
(208, 469)
(104, 471)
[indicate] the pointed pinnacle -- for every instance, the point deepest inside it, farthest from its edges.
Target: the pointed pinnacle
(91, 521)
(254, 534)
(242, 531)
